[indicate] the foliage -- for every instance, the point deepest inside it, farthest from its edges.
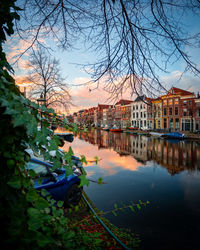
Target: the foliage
(29, 219)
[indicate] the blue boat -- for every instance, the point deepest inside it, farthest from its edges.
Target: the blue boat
(174, 135)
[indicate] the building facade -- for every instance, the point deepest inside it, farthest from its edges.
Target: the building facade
(139, 113)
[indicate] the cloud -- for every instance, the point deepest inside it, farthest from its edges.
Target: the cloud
(180, 80)
(86, 94)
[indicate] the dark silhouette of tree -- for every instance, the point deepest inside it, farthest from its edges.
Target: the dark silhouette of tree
(133, 40)
(46, 81)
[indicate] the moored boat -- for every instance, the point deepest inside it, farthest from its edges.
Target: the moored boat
(156, 134)
(106, 128)
(174, 135)
(115, 129)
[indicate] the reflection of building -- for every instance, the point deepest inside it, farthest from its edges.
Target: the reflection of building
(175, 156)
(139, 148)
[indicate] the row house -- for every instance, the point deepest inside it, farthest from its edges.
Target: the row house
(91, 112)
(118, 112)
(197, 113)
(178, 110)
(108, 116)
(98, 114)
(126, 116)
(157, 113)
(139, 112)
(80, 115)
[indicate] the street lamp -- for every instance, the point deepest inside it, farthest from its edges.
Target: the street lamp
(41, 101)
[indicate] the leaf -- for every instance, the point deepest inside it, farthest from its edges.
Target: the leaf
(83, 159)
(138, 206)
(84, 181)
(15, 182)
(115, 206)
(41, 203)
(100, 180)
(96, 159)
(32, 195)
(60, 203)
(114, 213)
(132, 208)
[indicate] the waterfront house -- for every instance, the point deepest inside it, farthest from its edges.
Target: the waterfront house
(118, 110)
(197, 113)
(139, 113)
(126, 116)
(98, 114)
(177, 110)
(157, 113)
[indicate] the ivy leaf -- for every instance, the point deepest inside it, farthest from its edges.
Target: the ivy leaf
(41, 203)
(100, 180)
(84, 181)
(15, 182)
(60, 203)
(96, 159)
(83, 159)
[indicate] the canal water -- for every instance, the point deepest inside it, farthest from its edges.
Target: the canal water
(165, 173)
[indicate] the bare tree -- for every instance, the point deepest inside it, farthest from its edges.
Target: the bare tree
(129, 37)
(46, 81)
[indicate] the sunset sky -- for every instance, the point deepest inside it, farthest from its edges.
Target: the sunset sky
(73, 72)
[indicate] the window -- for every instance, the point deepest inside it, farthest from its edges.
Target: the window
(165, 111)
(170, 101)
(133, 107)
(170, 111)
(144, 115)
(164, 102)
(136, 106)
(176, 101)
(171, 123)
(198, 112)
(137, 115)
(133, 115)
(184, 112)
(158, 123)
(190, 102)
(159, 114)
(141, 114)
(145, 123)
(176, 111)
(184, 103)
(141, 106)
(190, 112)
(165, 123)
(177, 123)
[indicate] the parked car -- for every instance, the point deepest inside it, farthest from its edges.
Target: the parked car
(61, 187)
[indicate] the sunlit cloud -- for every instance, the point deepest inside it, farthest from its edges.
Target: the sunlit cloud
(183, 81)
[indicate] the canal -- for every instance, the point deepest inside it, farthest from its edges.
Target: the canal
(165, 173)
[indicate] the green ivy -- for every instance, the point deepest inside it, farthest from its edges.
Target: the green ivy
(29, 220)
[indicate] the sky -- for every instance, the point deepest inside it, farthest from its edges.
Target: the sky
(74, 74)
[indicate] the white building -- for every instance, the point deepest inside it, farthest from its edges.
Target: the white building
(139, 113)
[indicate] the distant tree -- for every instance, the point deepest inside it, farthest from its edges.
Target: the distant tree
(134, 41)
(46, 80)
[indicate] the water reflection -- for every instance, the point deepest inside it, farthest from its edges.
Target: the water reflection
(144, 168)
(175, 156)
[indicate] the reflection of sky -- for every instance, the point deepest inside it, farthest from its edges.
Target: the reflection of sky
(110, 162)
(171, 219)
